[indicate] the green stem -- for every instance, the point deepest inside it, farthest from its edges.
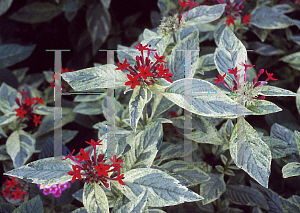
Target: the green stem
(145, 116)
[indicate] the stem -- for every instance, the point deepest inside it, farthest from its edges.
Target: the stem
(145, 116)
(52, 204)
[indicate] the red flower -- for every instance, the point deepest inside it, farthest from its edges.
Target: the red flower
(270, 76)
(220, 79)
(69, 156)
(173, 114)
(75, 173)
(160, 59)
(102, 169)
(119, 178)
(184, 3)
(83, 155)
(52, 84)
(230, 20)
(123, 66)
(23, 93)
(140, 47)
(36, 120)
(246, 19)
(145, 72)
(11, 183)
(18, 194)
(20, 112)
(93, 143)
(39, 100)
(235, 71)
(6, 192)
(133, 81)
(116, 162)
(28, 101)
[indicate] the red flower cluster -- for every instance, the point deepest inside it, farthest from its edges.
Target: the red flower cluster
(232, 10)
(255, 83)
(94, 170)
(145, 70)
(65, 85)
(26, 108)
(16, 189)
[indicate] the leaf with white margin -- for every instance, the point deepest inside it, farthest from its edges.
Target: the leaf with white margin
(137, 102)
(33, 205)
(205, 99)
(124, 205)
(297, 138)
(95, 77)
(47, 171)
(250, 153)
(229, 54)
(205, 14)
(212, 189)
(265, 17)
(162, 189)
(263, 107)
(274, 91)
(20, 145)
(8, 96)
(291, 169)
(94, 198)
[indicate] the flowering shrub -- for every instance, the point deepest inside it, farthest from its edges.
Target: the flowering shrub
(168, 135)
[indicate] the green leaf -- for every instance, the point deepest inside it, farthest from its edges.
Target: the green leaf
(177, 59)
(20, 146)
(4, 6)
(265, 49)
(250, 153)
(158, 195)
(80, 210)
(289, 205)
(43, 110)
(8, 96)
(214, 104)
(71, 5)
(297, 138)
(124, 205)
(274, 91)
(291, 169)
(203, 131)
(7, 207)
(11, 54)
(245, 195)
(263, 107)
(137, 103)
(265, 17)
(98, 23)
(89, 108)
(280, 132)
(8, 118)
(36, 12)
(191, 173)
(169, 150)
(94, 198)
(205, 14)
(95, 77)
(279, 148)
(283, 8)
(160, 105)
(212, 189)
(205, 63)
(292, 58)
(32, 206)
(297, 100)
(229, 54)
(271, 197)
(47, 171)
(144, 147)
(118, 107)
(89, 98)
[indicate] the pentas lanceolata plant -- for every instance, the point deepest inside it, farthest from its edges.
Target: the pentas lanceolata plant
(55, 189)
(145, 71)
(232, 10)
(249, 90)
(94, 169)
(26, 107)
(15, 188)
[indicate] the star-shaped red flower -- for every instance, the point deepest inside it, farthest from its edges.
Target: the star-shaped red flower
(230, 20)
(133, 81)
(83, 155)
(75, 173)
(160, 59)
(12, 183)
(36, 120)
(6, 192)
(20, 112)
(116, 162)
(220, 79)
(39, 100)
(119, 178)
(144, 73)
(102, 169)
(18, 194)
(28, 101)
(123, 66)
(93, 143)
(246, 19)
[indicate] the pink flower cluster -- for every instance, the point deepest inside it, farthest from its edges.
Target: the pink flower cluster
(55, 189)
